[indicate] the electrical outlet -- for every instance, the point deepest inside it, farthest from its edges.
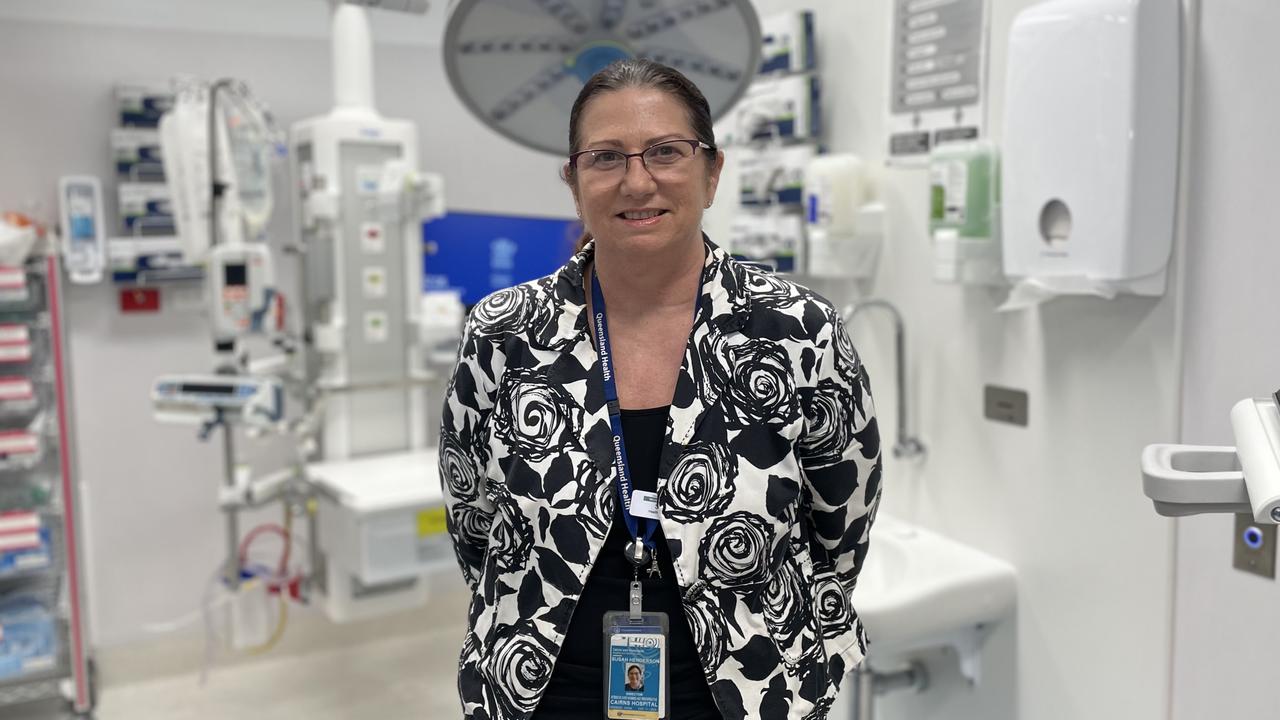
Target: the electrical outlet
(1005, 405)
(1255, 547)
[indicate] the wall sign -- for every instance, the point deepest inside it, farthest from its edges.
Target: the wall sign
(939, 67)
(476, 254)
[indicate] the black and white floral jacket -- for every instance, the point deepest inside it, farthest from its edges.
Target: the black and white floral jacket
(768, 485)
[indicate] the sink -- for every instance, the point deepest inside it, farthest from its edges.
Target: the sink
(919, 590)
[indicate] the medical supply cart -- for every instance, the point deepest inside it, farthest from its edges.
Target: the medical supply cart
(44, 654)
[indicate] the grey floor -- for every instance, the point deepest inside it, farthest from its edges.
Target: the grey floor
(397, 679)
(411, 677)
(396, 666)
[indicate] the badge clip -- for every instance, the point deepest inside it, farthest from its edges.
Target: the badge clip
(637, 553)
(635, 601)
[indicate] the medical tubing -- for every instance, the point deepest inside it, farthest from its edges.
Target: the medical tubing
(276, 634)
(168, 626)
(206, 607)
(283, 622)
(281, 574)
(208, 604)
(253, 534)
(175, 624)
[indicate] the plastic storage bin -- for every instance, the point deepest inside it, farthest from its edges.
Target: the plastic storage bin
(28, 632)
(26, 544)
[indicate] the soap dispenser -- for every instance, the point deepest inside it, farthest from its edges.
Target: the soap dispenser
(964, 213)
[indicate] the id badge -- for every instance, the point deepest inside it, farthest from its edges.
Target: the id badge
(636, 666)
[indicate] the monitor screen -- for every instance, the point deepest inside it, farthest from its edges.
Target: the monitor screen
(207, 389)
(234, 275)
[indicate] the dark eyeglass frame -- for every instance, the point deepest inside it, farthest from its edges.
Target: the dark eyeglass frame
(696, 145)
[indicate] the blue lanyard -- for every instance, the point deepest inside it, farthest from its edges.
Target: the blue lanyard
(620, 465)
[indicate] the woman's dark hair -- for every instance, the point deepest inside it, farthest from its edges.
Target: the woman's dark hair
(639, 73)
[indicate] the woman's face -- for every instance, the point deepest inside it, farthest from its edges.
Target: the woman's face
(633, 676)
(636, 207)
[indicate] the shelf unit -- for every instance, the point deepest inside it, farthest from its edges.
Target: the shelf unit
(146, 251)
(776, 139)
(41, 593)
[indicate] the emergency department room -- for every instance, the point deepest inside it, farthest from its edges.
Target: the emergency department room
(639, 360)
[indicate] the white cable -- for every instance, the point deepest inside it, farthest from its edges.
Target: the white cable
(182, 621)
(209, 632)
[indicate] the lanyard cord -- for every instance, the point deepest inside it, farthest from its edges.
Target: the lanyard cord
(621, 466)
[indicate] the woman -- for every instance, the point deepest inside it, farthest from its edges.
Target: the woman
(739, 400)
(635, 679)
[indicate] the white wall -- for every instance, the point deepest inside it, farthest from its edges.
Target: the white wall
(1228, 622)
(276, 18)
(154, 533)
(1061, 499)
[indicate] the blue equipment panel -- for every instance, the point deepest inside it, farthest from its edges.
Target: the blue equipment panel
(478, 254)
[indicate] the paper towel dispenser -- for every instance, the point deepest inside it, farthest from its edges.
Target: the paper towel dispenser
(1091, 146)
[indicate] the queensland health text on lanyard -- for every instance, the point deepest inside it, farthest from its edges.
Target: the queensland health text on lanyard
(639, 507)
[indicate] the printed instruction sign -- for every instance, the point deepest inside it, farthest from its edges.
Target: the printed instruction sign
(939, 67)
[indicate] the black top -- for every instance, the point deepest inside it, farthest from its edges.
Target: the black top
(576, 691)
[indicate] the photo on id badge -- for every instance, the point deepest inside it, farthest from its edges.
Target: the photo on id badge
(635, 677)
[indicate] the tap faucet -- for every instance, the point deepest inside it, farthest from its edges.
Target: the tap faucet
(906, 445)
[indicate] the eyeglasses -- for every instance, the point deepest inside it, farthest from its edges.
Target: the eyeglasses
(663, 159)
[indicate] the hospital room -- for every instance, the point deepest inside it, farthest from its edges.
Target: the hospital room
(638, 360)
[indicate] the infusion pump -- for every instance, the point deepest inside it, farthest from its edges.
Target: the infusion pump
(242, 297)
(200, 399)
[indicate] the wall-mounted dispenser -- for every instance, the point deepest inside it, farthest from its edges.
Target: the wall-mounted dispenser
(843, 230)
(1090, 148)
(964, 213)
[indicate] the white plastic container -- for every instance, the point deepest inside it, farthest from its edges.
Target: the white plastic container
(835, 187)
(844, 231)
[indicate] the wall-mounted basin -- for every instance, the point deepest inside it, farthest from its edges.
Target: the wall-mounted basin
(919, 589)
